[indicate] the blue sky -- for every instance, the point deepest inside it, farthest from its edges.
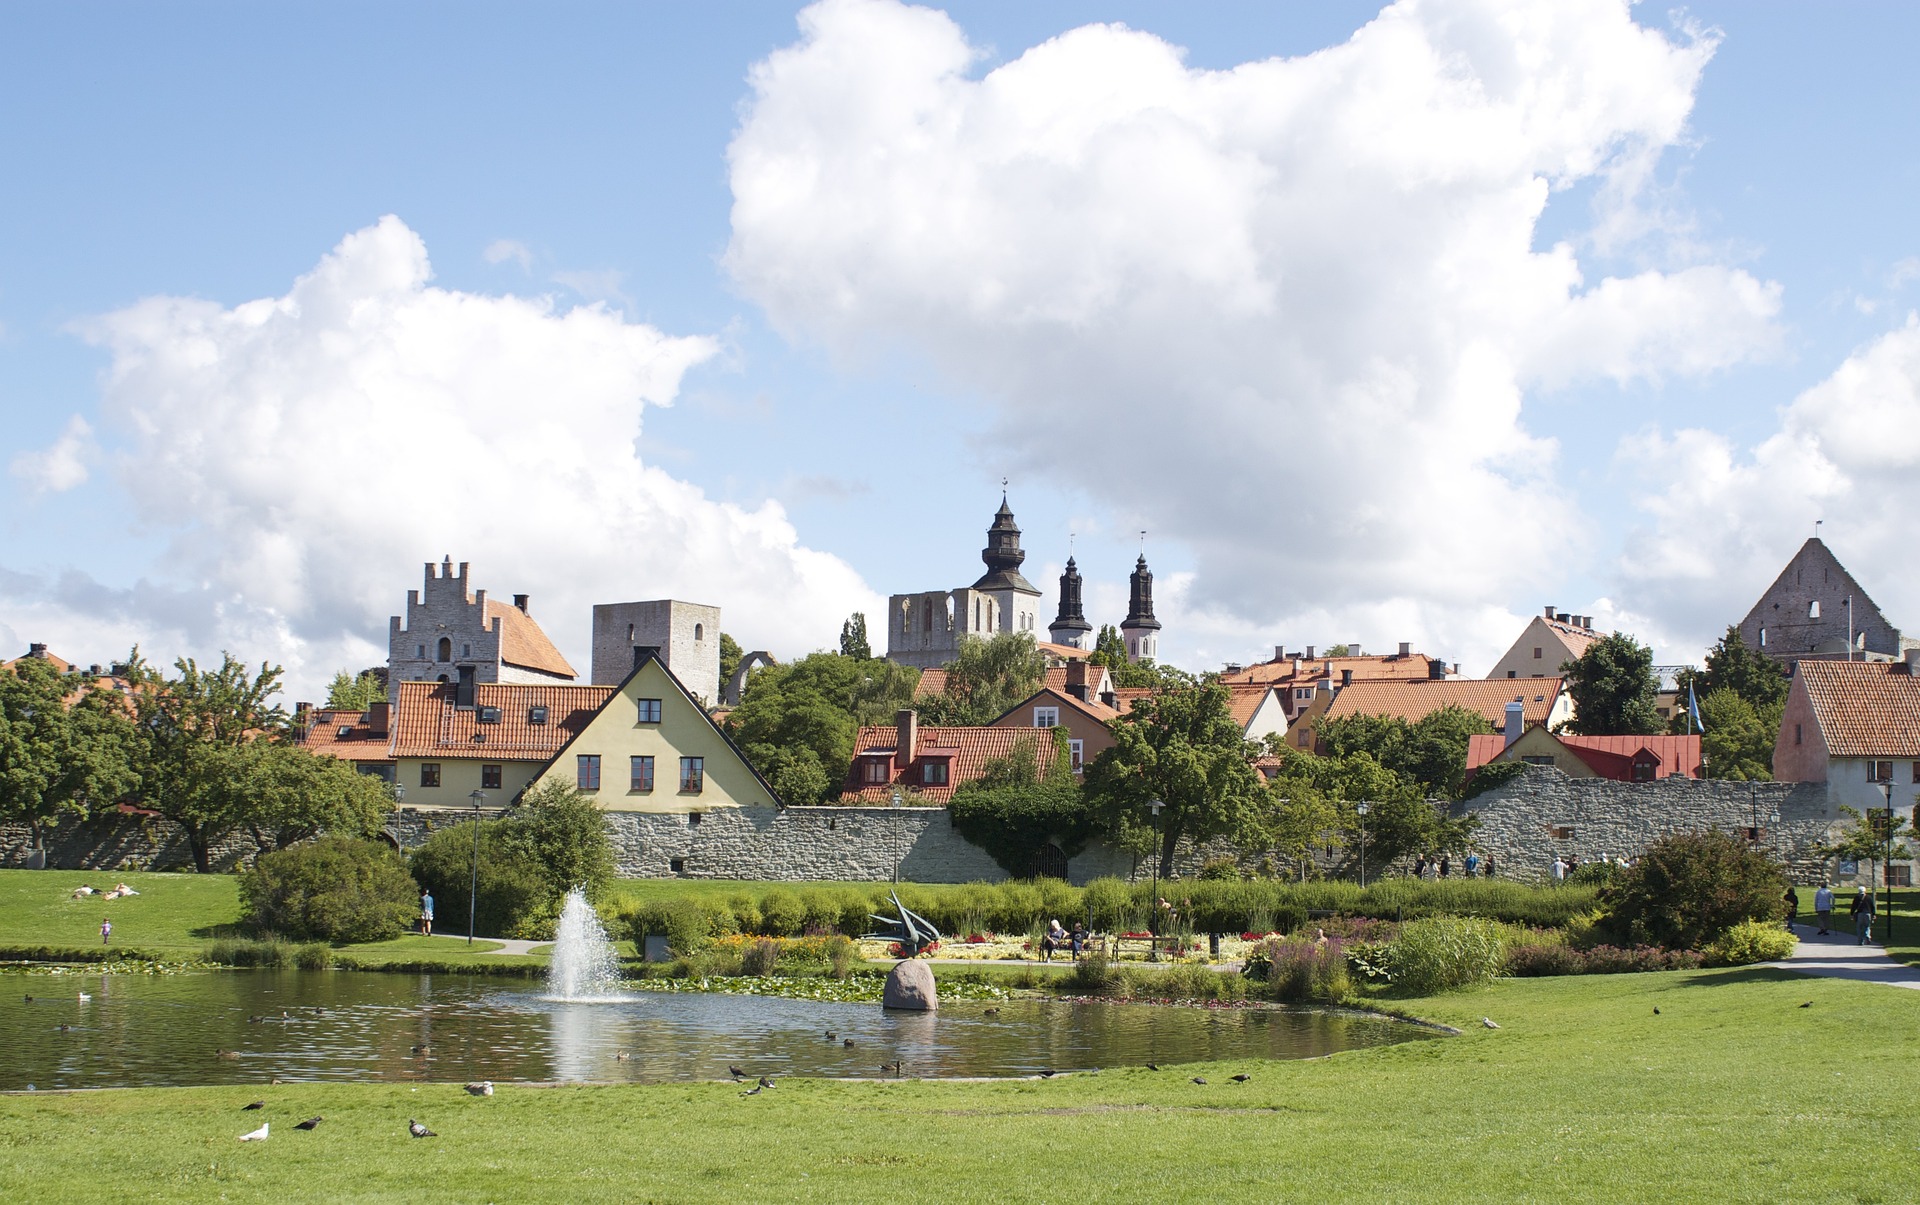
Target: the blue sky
(581, 153)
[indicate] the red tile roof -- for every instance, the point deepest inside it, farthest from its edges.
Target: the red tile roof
(965, 750)
(343, 734)
(1864, 708)
(932, 682)
(427, 724)
(523, 643)
(1246, 700)
(1608, 756)
(1390, 667)
(1414, 700)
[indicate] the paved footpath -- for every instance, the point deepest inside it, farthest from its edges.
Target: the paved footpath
(1837, 957)
(508, 945)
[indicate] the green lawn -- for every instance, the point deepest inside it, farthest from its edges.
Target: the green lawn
(1731, 1092)
(175, 915)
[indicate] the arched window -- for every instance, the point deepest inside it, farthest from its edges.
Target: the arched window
(699, 631)
(445, 651)
(1813, 609)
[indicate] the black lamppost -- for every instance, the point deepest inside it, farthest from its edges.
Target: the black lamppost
(473, 884)
(1153, 917)
(1360, 809)
(1886, 874)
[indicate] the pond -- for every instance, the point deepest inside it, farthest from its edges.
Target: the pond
(249, 1026)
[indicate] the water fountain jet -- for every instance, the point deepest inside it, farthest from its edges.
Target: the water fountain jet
(584, 967)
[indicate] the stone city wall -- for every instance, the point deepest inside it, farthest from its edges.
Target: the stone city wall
(119, 842)
(1542, 813)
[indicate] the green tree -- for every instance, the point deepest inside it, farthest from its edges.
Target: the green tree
(1338, 650)
(1738, 739)
(853, 638)
(1181, 746)
(512, 894)
(817, 704)
(357, 692)
(1866, 838)
(566, 835)
(1613, 688)
(730, 655)
(987, 678)
(1022, 801)
(60, 756)
(1399, 820)
(1731, 665)
(796, 775)
(1430, 753)
(1110, 650)
(286, 795)
(194, 728)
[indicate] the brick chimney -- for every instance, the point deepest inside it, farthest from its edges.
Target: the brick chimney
(1406, 648)
(908, 722)
(377, 717)
(1077, 680)
(37, 651)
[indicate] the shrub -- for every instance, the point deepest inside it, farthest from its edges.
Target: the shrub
(266, 951)
(1093, 976)
(317, 956)
(1538, 959)
(1296, 970)
(1221, 869)
(1620, 960)
(1750, 941)
(1593, 874)
(330, 889)
(1689, 888)
(760, 957)
(685, 924)
(512, 885)
(1441, 953)
(843, 956)
(782, 914)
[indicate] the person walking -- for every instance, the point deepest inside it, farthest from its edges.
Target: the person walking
(1862, 910)
(1473, 864)
(426, 914)
(1446, 865)
(1559, 871)
(1487, 868)
(1793, 907)
(106, 932)
(1823, 908)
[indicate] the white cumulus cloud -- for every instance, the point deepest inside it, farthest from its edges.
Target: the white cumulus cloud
(61, 465)
(1287, 314)
(1723, 520)
(303, 455)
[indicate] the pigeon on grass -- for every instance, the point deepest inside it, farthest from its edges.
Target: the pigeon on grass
(419, 1131)
(259, 1135)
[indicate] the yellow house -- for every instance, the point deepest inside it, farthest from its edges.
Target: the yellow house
(651, 747)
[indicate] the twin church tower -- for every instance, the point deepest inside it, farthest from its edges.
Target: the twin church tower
(927, 629)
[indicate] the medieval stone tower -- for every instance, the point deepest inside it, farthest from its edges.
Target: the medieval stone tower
(452, 635)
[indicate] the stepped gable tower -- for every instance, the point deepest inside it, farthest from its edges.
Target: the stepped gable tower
(1140, 629)
(1070, 627)
(1019, 601)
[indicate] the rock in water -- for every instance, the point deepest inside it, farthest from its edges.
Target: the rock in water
(910, 986)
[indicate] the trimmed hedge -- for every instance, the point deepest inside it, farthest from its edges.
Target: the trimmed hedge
(1020, 906)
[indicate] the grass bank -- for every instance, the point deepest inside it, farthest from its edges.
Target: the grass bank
(1731, 1092)
(174, 916)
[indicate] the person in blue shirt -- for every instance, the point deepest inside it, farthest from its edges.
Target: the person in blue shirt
(426, 914)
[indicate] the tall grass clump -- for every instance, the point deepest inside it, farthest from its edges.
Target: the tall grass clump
(1443, 953)
(269, 950)
(1297, 971)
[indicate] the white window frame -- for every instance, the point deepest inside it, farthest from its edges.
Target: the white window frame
(1076, 753)
(1046, 717)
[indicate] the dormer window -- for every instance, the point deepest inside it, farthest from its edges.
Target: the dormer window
(489, 715)
(345, 730)
(875, 770)
(933, 773)
(537, 714)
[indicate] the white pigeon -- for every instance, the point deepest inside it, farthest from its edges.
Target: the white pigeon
(84, 997)
(483, 1088)
(259, 1135)
(1489, 1022)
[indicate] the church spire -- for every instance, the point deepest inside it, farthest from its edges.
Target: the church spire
(1070, 626)
(1140, 629)
(1003, 554)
